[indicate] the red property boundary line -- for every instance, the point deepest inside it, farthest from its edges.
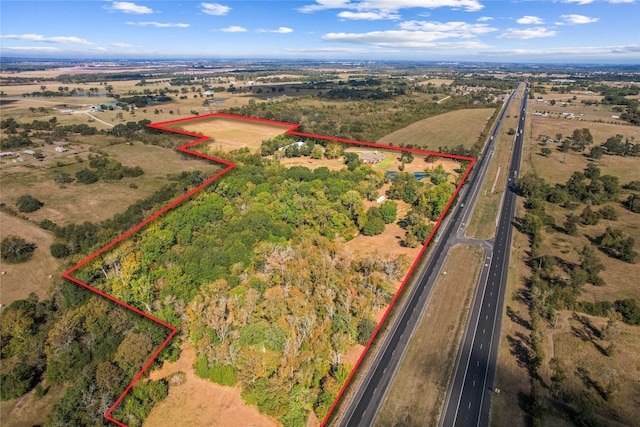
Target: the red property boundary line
(186, 149)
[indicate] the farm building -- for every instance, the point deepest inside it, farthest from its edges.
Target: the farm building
(372, 158)
(7, 153)
(29, 152)
(61, 149)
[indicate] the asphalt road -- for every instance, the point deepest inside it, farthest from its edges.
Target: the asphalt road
(469, 395)
(368, 398)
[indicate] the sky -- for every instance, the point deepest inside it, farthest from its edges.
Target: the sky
(524, 31)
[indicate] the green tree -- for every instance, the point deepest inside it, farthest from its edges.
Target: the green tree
(59, 250)
(633, 203)
(86, 176)
(14, 249)
(375, 223)
(590, 263)
(619, 245)
(546, 151)
(389, 211)
(571, 225)
(596, 153)
(27, 204)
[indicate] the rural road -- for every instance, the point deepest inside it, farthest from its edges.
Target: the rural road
(370, 394)
(469, 394)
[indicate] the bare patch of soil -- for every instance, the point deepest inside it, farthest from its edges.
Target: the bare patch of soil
(200, 402)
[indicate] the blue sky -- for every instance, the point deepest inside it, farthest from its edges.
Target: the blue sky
(600, 31)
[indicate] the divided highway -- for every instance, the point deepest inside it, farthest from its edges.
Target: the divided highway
(368, 398)
(469, 394)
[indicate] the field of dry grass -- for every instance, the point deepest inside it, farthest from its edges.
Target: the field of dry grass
(462, 127)
(29, 410)
(76, 202)
(418, 389)
(19, 280)
(230, 133)
(200, 402)
(588, 369)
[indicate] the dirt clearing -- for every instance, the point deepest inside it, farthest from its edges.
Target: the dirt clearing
(231, 133)
(200, 402)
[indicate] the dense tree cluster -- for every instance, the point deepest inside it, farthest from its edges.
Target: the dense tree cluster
(27, 203)
(269, 308)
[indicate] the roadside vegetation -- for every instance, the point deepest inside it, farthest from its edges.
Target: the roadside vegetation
(578, 294)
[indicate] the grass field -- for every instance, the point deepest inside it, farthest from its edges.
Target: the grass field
(19, 280)
(462, 127)
(76, 202)
(419, 387)
(230, 133)
(200, 402)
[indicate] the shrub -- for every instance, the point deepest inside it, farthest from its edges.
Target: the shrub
(15, 249)
(59, 250)
(86, 176)
(27, 204)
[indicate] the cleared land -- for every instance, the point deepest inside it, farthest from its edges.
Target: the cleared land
(29, 410)
(200, 402)
(19, 280)
(230, 134)
(419, 387)
(462, 127)
(77, 202)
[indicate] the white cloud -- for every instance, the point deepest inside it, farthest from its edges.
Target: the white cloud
(99, 49)
(578, 1)
(40, 38)
(233, 29)
(46, 49)
(215, 9)
(599, 52)
(128, 7)
(369, 16)
(391, 5)
(485, 19)
(578, 19)
(327, 50)
(454, 29)
(621, 1)
(116, 44)
(530, 20)
(527, 33)
(279, 30)
(159, 24)
(402, 39)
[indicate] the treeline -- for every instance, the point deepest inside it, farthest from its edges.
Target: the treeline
(21, 134)
(486, 81)
(86, 237)
(364, 121)
(256, 271)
